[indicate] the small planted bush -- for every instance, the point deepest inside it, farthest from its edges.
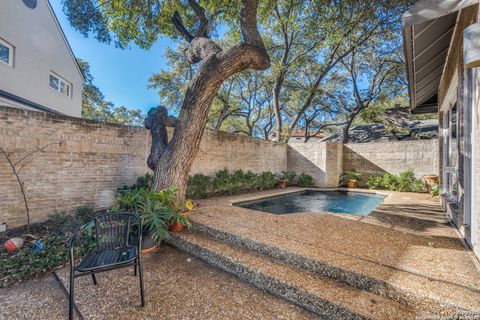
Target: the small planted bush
(199, 186)
(250, 180)
(404, 182)
(305, 180)
(375, 182)
(408, 183)
(226, 182)
(267, 180)
(222, 180)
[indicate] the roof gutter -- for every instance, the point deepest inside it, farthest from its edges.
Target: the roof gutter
(27, 103)
(408, 50)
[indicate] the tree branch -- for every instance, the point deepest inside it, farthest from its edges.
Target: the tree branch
(201, 15)
(178, 23)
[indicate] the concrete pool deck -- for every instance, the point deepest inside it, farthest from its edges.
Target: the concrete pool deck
(404, 252)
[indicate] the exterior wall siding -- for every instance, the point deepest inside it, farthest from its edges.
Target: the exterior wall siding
(39, 49)
(454, 67)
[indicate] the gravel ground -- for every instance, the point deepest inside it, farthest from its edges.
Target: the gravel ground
(35, 299)
(177, 286)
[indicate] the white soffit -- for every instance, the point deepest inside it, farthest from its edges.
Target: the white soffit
(428, 29)
(427, 10)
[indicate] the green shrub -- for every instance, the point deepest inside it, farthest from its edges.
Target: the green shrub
(199, 186)
(227, 182)
(222, 180)
(267, 180)
(305, 180)
(407, 181)
(250, 180)
(404, 182)
(390, 182)
(237, 182)
(435, 190)
(375, 182)
(144, 182)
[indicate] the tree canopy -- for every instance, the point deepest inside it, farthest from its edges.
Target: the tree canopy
(308, 43)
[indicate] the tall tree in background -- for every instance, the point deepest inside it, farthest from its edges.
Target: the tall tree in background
(142, 20)
(311, 40)
(370, 77)
(307, 41)
(95, 107)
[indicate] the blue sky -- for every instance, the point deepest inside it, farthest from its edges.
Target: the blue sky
(122, 75)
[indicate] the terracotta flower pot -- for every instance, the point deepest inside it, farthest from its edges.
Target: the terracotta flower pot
(176, 227)
(430, 180)
(352, 183)
(282, 184)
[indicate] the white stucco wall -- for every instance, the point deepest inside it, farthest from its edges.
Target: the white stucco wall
(39, 49)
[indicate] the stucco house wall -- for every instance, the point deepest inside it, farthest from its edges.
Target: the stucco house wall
(39, 50)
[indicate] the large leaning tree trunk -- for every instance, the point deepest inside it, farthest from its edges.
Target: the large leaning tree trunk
(176, 158)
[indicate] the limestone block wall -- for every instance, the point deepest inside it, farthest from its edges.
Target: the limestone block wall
(321, 160)
(88, 160)
(220, 150)
(377, 158)
(326, 161)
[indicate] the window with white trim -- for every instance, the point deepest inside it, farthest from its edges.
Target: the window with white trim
(59, 84)
(6, 53)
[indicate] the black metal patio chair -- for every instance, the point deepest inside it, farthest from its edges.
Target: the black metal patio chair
(105, 242)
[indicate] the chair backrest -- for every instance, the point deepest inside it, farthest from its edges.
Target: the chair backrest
(112, 230)
(107, 231)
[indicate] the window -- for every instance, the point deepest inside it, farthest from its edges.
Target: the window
(6, 53)
(451, 149)
(60, 85)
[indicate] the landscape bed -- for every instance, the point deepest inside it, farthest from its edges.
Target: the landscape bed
(356, 203)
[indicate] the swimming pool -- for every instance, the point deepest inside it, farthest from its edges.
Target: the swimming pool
(326, 201)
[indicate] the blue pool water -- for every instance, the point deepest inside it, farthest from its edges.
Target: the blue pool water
(327, 201)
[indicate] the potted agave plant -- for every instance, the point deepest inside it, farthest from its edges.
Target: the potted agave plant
(351, 178)
(285, 178)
